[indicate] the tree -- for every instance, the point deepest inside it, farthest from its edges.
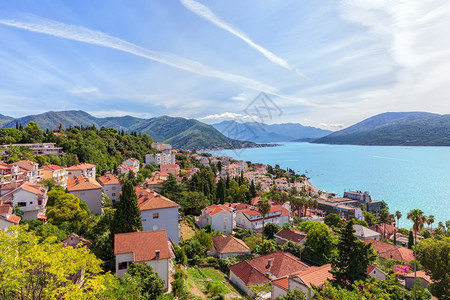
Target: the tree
(127, 217)
(353, 259)
(192, 203)
(150, 283)
(333, 220)
(410, 240)
(204, 238)
(270, 230)
(266, 247)
(384, 217)
(294, 248)
(430, 221)
(64, 208)
(293, 295)
(320, 243)
(264, 208)
(369, 218)
(398, 215)
(416, 215)
(32, 133)
(434, 256)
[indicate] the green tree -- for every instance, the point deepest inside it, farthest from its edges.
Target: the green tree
(10, 136)
(293, 295)
(267, 247)
(353, 259)
(263, 208)
(150, 283)
(270, 229)
(192, 203)
(320, 243)
(204, 238)
(294, 248)
(410, 240)
(430, 221)
(333, 220)
(49, 183)
(127, 217)
(418, 218)
(178, 287)
(434, 255)
(398, 215)
(66, 209)
(32, 133)
(369, 218)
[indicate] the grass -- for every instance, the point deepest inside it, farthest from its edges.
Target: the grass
(198, 280)
(186, 231)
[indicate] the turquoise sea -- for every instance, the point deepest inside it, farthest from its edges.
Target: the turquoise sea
(404, 177)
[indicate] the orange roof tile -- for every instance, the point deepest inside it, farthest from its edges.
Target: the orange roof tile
(82, 166)
(82, 182)
(282, 282)
(229, 244)
(420, 274)
(389, 251)
(315, 275)
(51, 167)
(143, 244)
(109, 179)
(148, 200)
(291, 235)
(248, 274)
(33, 188)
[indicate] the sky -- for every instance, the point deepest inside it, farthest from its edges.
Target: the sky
(327, 64)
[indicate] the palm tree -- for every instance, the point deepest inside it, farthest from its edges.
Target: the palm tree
(398, 215)
(384, 216)
(416, 215)
(264, 208)
(430, 221)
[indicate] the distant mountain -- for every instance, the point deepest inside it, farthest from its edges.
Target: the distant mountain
(399, 128)
(5, 119)
(264, 133)
(181, 133)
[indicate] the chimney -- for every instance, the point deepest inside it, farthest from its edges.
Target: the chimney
(156, 254)
(269, 262)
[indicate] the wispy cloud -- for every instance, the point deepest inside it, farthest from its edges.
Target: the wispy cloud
(207, 14)
(225, 116)
(92, 90)
(85, 35)
(241, 97)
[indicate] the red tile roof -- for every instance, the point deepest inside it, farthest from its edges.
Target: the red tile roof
(420, 274)
(314, 275)
(216, 208)
(81, 183)
(6, 214)
(51, 167)
(229, 244)
(109, 179)
(278, 264)
(389, 251)
(291, 235)
(33, 188)
(143, 244)
(381, 227)
(148, 199)
(282, 282)
(82, 166)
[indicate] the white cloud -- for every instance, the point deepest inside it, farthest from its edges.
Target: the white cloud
(207, 14)
(85, 35)
(225, 116)
(241, 97)
(119, 113)
(85, 91)
(339, 126)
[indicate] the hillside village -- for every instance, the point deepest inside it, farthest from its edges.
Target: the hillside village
(209, 227)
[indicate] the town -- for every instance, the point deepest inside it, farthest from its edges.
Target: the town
(166, 223)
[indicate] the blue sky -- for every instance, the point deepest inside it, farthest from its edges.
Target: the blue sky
(324, 63)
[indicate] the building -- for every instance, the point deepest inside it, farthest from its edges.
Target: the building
(134, 162)
(173, 169)
(364, 233)
(31, 198)
(149, 247)
(389, 251)
(8, 173)
(81, 169)
(111, 187)
(302, 280)
(264, 269)
(219, 216)
(161, 146)
(88, 190)
(7, 218)
(28, 171)
(251, 218)
(130, 165)
(288, 235)
(373, 206)
(425, 280)
(384, 229)
(225, 246)
(164, 158)
(158, 213)
(36, 149)
(349, 205)
(155, 182)
(58, 173)
(376, 272)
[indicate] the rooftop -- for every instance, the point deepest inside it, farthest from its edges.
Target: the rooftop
(148, 200)
(229, 244)
(81, 183)
(143, 244)
(109, 179)
(291, 235)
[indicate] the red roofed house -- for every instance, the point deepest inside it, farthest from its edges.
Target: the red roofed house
(225, 246)
(158, 212)
(155, 182)
(384, 229)
(8, 173)
(28, 170)
(264, 269)
(389, 251)
(251, 218)
(7, 218)
(288, 235)
(31, 199)
(376, 272)
(219, 216)
(150, 247)
(81, 169)
(302, 280)
(88, 190)
(425, 280)
(173, 169)
(58, 173)
(111, 186)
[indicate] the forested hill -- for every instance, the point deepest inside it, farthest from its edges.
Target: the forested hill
(5, 119)
(395, 129)
(181, 133)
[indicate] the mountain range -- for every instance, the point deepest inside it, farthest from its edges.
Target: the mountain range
(265, 133)
(395, 129)
(181, 133)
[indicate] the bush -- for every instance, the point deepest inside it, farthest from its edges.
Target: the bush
(211, 260)
(215, 288)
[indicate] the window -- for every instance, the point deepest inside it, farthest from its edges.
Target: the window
(113, 194)
(22, 204)
(31, 202)
(155, 227)
(155, 215)
(113, 188)
(124, 265)
(144, 220)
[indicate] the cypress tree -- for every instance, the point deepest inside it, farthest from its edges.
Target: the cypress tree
(252, 189)
(410, 240)
(128, 215)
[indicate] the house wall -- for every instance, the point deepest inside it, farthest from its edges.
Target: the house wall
(4, 224)
(223, 255)
(293, 284)
(167, 220)
(93, 199)
(409, 282)
(31, 208)
(222, 221)
(278, 291)
(377, 274)
(240, 284)
(112, 191)
(123, 258)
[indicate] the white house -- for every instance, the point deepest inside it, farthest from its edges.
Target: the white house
(88, 190)
(82, 169)
(158, 213)
(149, 247)
(29, 170)
(251, 218)
(58, 173)
(219, 216)
(164, 158)
(111, 186)
(31, 199)
(364, 233)
(376, 272)
(130, 165)
(225, 246)
(7, 218)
